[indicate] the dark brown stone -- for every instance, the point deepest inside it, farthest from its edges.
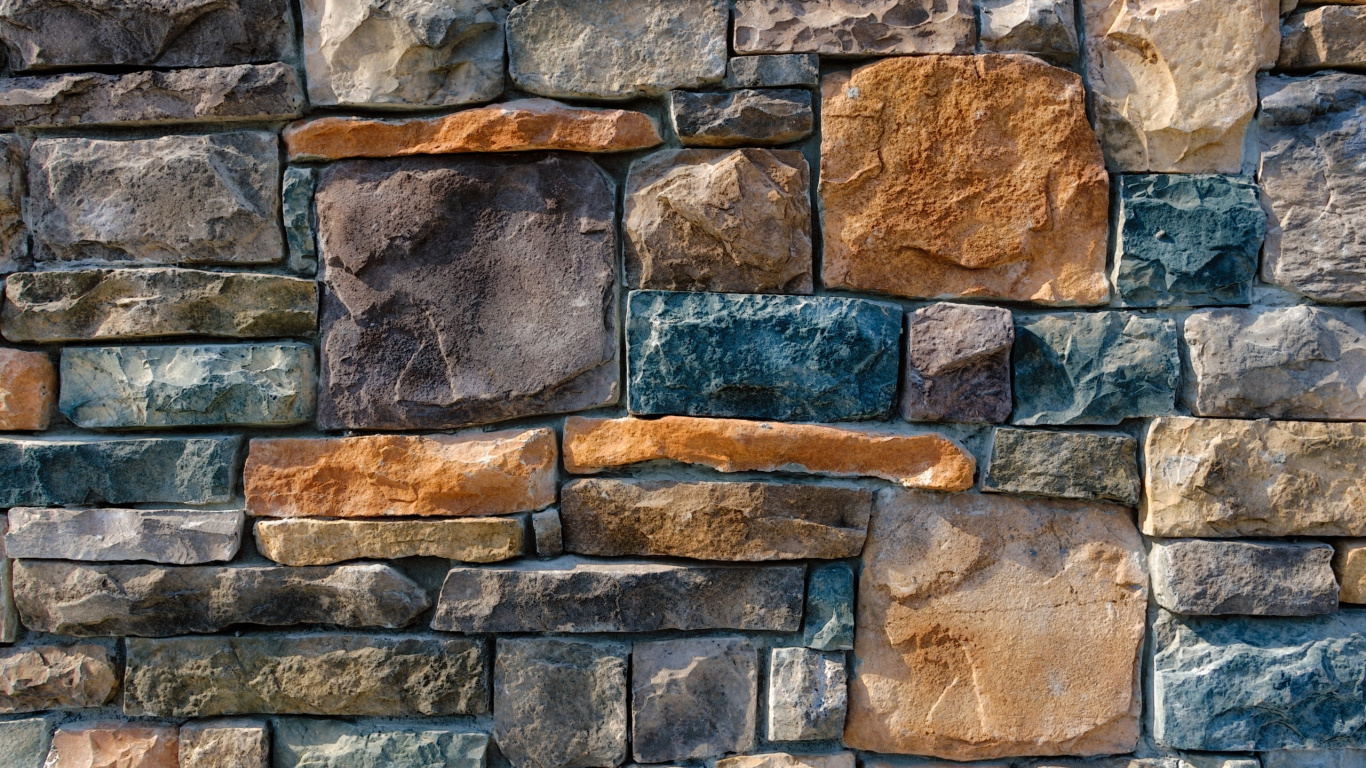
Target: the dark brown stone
(958, 364)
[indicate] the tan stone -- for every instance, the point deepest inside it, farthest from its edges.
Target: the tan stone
(516, 126)
(225, 744)
(323, 542)
(39, 677)
(491, 473)
(1324, 36)
(992, 626)
(1349, 564)
(9, 616)
(784, 760)
(924, 460)
(114, 745)
(946, 176)
(28, 389)
(1215, 477)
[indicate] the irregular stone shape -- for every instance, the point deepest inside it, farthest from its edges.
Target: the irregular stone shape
(337, 744)
(693, 698)
(338, 675)
(219, 94)
(466, 475)
(225, 744)
(152, 601)
(176, 536)
(1246, 684)
(9, 616)
(403, 54)
(1256, 578)
(549, 533)
(807, 695)
(783, 760)
(1187, 240)
(165, 470)
(713, 521)
(637, 48)
(559, 703)
(39, 677)
(957, 364)
(1065, 465)
(24, 743)
(573, 595)
(854, 27)
(714, 220)
(1289, 363)
(829, 622)
(28, 390)
(13, 232)
(1314, 758)
(1095, 368)
(413, 338)
(1312, 188)
(925, 199)
(96, 201)
(993, 626)
(323, 542)
(782, 71)
(1322, 37)
(296, 200)
(1349, 565)
(790, 358)
(738, 118)
(1045, 28)
(114, 745)
(209, 385)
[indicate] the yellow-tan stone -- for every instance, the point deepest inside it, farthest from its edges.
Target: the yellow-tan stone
(115, 745)
(28, 389)
(1349, 564)
(302, 541)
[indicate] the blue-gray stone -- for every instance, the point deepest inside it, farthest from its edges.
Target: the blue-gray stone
(297, 204)
(335, 744)
(170, 470)
(23, 743)
(1314, 758)
(1094, 368)
(790, 358)
(773, 71)
(829, 624)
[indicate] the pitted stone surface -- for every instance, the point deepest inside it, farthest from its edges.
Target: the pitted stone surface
(780, 71)
(337, 744)
(548, 532)
(1256, 578)
(1322, 37)
(1045, 28)
(744, 117)
(225, 744)
(784, 760)
(807, 695)
(829, 621)
(1349, 566)
(114, 745)
(179, 537)
(38, 677)
(957, 364)
(9, 617)
(296, 208)
(1065, 465)
(324, 542)
(14, 254)
(28, 390)
(24, 742)
(693, 698)
(854, 27)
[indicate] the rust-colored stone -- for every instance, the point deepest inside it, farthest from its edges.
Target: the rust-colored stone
(115, 745)
(28, 389)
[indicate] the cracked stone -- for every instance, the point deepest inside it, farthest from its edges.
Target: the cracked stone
(38, 677)
(225, 744)
(175, 536)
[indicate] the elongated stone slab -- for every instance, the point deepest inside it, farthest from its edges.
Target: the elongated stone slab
(784, 760)
(9, 616)
(829, 621)
(296, 208)
(39, 677)
(28, 389)
(114, 743)
(693, 698)
(1254, 578)
(574, 595)
(338, 675)
(225, 744)
(1312, 758)
(756, 118)
(323, 542)
(338, 744)
(180, 537)
(1066, 465)
(855, 27)
(152, 601)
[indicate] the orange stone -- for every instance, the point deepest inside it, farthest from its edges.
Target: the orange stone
(28, 389)
(115, 745)
(517, 126)
(927, 460)
(492, 473)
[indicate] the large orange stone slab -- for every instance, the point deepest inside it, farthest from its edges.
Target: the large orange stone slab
(28, 389)
(115, 745)
(949, 176)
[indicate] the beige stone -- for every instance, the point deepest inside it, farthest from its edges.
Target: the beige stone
(323, 542)
(28, 389)
(946, 176)
(784, 760)
(1349, 564)
(225, 744)
(992, 626)
(114, 745)
(38, 677)
(1324, 36)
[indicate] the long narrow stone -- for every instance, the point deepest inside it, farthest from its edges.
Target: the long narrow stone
(1349, 566)
(176, 536)
(39, 677)
(9, 616)
(25, 741)
(337, 744)
(323, 542)
(1256, 578)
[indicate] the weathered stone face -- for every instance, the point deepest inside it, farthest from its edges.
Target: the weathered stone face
(549, 533)
(28, 390)
(807, 695)
(1256, 578)
(854, 27)
(783, 760)
(336, 744)
(323, 542)
(992, 626)
(783, 71)
(180, 537)
(1349, 565)
(957, 364)
(829, 620)
(415, 339)
(114, 745)
(225, 744)
(9, 617)
(693, 698)
(296, 208)
(1312, 758)
(1065, 465)
(13, 233)
(167, 470)
(24, 742)
(1322, 37)
(746, 117)
(1045, 28)
(923, 197)
(38, 677)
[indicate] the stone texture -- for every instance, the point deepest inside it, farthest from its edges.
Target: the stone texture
(741, 118)
(560, 703)
(225, 744)
(636, 48)
(734, 445)
(296, 208)
(338, 675)
(176, 536)
(38, 677)
(114, 745)
(693, 698)
(1065, 465)
(574, 595)
(1322, 37)
(957, 364)
(784, 760)
(829, 620)
(208, 385)
(761, 357)
(415, 339)
(152, 601)
(24, 743)
(713, 521)
(1187, 240)
(1045, 28)
(95, 201)
(337, 744)
(9, 616)
(1349, 565)
(1314, 758)
(28, 390)
(92, 304)
(992, 626)
(323, 542)
(807, 695)
(463, 475)
(549, 533)
(1256, 578)
(854, 27)
(13, 232)
(929, 192)
(782, 71)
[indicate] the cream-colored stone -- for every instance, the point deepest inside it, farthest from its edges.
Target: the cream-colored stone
(323, 542)
(28, 389)
(1349, 564)
(114, 745)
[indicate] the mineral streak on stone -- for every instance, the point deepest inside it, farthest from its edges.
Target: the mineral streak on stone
(925, 196)
(131, 387)
(693, 698)
(807, 695)
(958, 364)
(338, 744)
(784, 760)
(574, 595)
(114, 745)
(829, 621)
(549, 533)
(1349, 565)
(296, 200)
(464, 475)
(337, 675)
(28, 389)
(95, 201)
(1324, 36)
(179, 537)
(225, 744)
(9, 616)
(854, 27)
(1065, 465)
(154, 601)
(789, 358)
(992, 626)
(713, 521)
(24, 742)
(784, 71)
(1256, 578)
(1045, 28)
(323, 542)
(416, 339)
(13, 232)
(745, 117)
(1313, 758)
(39, 677)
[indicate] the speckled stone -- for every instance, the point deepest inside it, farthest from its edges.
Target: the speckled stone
(787, 70)
(807, 695)
(756, 118)
(24, 742)
(829, 621)
(693, 698)
(1065, 465)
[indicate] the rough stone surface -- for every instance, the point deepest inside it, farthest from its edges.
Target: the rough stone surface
(1313, 758)
(114, 745)
(13, 232)
(1256, 578)
(1349, 565)
(39, 677)
(745, 117)
(1095, 368)
(807, 695)
(573, 595)
(1065, 465)
(152, 601)
(829, 619)
(336, 744)
(693, 698)
(931, 190)
(992, 626)
(782, 71)
(1045, 28)
(338, 675)
(762, 357)
(854, 27)
(97, 201)
(24, 742)
(415, 339)
(225, 744)
(323, 542)
(1324, 36)
(784, 760)
(210, 385)
(549, 533)
(9, 616)
(464, 475)
(713, 521)
(28, 390)
(296, 205)
(957, 364)
(560, 703)
(180, 537)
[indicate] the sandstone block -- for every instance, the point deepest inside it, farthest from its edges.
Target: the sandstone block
(829, 621)
(323, 542)
(114, 745)
(783, 760)
(9, 616)
(38, 677)
(1324, 36)
(24, 742)
(854, 27)
(1065, 465)
(176, 536)
(337, 744)
(957, 364)
(1045, 28)
(464, 475)
(1313, 758)
(924, 197)
(13, 232)
(296, 204)
(1256, 578)
(1349, 565)
(993, 626)
(549, 533)
(745, 117)
(225, 744)
(693, 698)
(28, 390)
(94, 201)
(787, 358)
(789, 70)
(807, 695)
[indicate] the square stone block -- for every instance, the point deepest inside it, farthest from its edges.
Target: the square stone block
(693, 698)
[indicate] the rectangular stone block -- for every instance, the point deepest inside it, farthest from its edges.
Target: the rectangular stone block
(545, 525)
(784, 760)
(1065, 465)
(789, 70)
(756, 118)
(807, 695)
(175, 536)
(114, 743)
(1313, 758)
(225, 744)
(14, 254)
(693, 698)
(1327, 36)
(9, 616)
(28, 390)
(338, 744)
(855, 27)
(39, 677)
(957, 364)
(1349, 565)
(296, 201)
(24, 743)
(1044, 28)
(323, 542)
(829, 621)
(1256, 578)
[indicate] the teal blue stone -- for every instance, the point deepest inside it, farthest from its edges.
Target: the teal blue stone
(788, 358)
(829, 624)
(169, 470)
